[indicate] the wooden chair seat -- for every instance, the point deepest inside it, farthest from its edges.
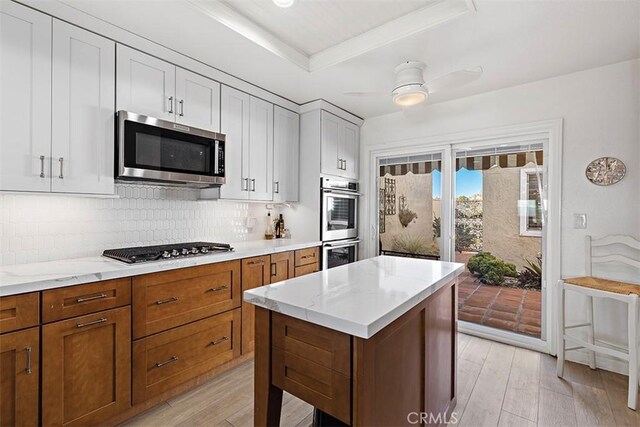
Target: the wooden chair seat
(606, 285)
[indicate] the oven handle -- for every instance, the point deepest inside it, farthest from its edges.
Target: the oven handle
(342, 245)
(340, 191)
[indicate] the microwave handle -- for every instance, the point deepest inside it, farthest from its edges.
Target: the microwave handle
(334, 246)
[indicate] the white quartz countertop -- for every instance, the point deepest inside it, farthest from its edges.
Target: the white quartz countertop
(358, 299)
(21, 278)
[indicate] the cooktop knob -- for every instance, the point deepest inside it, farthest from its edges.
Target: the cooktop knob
(175, 252)
(185, 251)
(204, 250)
(166, 254)
(194, 250)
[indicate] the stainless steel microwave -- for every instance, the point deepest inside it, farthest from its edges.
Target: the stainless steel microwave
(160, 151)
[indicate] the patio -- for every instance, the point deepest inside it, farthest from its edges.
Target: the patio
(511, 309)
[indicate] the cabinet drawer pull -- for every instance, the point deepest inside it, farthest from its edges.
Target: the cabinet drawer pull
(95, 297)
(313, 255)
(216, 342)
(164, 301)
(255, 263)
(41, 166)
(28, 350)
(218, 289)
(166, 362)
(95, 322)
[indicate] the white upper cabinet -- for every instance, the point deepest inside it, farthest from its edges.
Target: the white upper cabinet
(247, 123)
(350, 149)
(286, 140)
(146, 85)
(340, 146)
(198, 100)
(234, 124)
(25, 101)
(261, 150)
(83, 112)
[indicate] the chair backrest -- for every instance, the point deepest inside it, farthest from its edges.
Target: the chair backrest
(613, 239)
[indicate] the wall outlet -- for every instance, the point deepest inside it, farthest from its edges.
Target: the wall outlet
(579, 220)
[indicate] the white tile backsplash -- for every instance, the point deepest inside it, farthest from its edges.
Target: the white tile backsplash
(36, 228)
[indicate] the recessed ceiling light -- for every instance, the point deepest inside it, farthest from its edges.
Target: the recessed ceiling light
(284, 3)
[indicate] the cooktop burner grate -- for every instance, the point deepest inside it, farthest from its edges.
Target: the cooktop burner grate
(159, 252)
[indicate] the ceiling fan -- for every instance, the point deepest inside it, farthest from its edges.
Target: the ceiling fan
(411, 89)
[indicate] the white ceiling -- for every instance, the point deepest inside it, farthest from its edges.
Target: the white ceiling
(313, 26)
(514, 41)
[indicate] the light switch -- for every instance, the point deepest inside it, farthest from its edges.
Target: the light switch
(580, 220)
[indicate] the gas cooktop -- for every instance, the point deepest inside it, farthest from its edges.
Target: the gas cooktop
(165, 252)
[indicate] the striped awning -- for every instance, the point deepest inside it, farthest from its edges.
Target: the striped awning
(470, 163)
(416, 168)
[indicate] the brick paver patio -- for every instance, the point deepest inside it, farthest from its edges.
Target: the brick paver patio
(511, 309)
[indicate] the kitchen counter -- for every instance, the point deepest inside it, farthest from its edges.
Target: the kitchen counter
(367, 343)
(358, 299)
(21, 278)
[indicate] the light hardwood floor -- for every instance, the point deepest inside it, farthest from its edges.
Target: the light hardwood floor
(498, 385)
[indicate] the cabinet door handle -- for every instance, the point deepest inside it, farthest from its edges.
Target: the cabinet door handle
(95, 322)
(253, 185)
(61, 160)
(218, 289)
(171, 105)
(28, 350)
(274, 269)
(276, 185)
(41, 166)
(95, 297)
(166, 362)
(181, 108)
(344, 166)
(339, 163)
(216, 342)
(164, 301)
(245, 184)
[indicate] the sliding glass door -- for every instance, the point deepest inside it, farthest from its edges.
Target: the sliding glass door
(499, 227)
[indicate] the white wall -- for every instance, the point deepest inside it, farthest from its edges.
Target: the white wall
(600, 109)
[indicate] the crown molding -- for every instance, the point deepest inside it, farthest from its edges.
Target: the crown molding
(404, 26)
(321, 104)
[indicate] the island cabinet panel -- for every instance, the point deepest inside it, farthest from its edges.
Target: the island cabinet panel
(19, 377)
(72, 301)
(168, 359)
(168, 299)
(86, 368)
(313, 363)
(386, 391)
(19, 312)
(255, 272)
(282, 266)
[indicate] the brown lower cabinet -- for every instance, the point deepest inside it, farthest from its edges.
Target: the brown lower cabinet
(256, 272)
(282, 266)
(170, 358)
(86, 368)
(19, 375)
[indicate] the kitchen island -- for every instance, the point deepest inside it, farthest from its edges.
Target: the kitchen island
(369, 343)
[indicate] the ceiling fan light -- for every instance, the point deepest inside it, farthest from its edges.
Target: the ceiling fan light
(284, 3)
(410, 95)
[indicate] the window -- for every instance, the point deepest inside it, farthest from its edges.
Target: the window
(530, 202)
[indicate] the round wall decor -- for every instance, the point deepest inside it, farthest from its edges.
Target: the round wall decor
(605, 171)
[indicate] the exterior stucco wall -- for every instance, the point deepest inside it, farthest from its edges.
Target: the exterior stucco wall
(500, 220)
(418, 191)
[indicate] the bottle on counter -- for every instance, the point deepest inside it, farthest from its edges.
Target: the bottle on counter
(281, 222)
(268, 232)
(278, 231)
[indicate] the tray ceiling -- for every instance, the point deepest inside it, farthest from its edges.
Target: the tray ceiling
(316, 34)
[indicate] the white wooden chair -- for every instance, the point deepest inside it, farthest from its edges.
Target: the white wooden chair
(603, 288)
